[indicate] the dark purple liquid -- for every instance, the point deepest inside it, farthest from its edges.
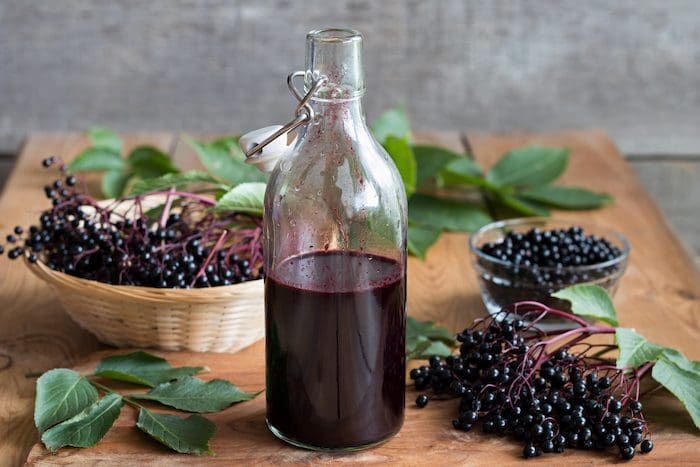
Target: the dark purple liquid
(335, 342)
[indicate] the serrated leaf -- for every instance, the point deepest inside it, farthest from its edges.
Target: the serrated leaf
(60, 394)
(430, 160)
(567, 197)
(634, 348)
(86, 428)
(679, 359)
(105, 138)
(521, 206)
(591, 301)
(415, 349)
(424, 210)
(150, 162)
(96, 159)
(194, 395)
(224, 159)
(172, 180)
(246, 197)
(142, 368)
(114, 182)
(529, 166)
(189, 435)
(420, 239)
(680, 381)
(393, 122)
(401, 153)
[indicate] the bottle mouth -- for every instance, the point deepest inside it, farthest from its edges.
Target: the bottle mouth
(335, 54)
(334, 35)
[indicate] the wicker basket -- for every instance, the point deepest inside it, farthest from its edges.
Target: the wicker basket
(216, 319)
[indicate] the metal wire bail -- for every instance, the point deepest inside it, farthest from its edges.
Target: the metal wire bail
(303, 113)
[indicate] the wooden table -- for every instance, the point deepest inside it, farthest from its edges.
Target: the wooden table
(659, 295)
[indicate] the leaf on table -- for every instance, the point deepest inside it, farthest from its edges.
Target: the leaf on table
(105, 138)
(114, 183)
(529, 166)
(189, 435)
(420, 239)
(86, 428)
(591, 301)
(393, 122)
(142, 368)
(224, 160)
(172, 180)
(97, 159)
(246, 197)
(401, 153)
(436, 213)
(60, 394)
(675, 373)
(634, 348)
(194, 395)
(150, 162)
(425, 338)
(567, 197)
(430, 160)
(521, 206)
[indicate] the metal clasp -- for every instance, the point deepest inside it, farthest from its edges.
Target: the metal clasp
(303, 113)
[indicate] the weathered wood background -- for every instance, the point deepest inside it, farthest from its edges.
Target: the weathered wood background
(629, 66)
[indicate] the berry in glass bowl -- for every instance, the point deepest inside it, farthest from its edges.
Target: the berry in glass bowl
(528, 259)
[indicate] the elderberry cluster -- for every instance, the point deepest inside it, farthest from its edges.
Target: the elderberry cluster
(189, 248)
(550, 400)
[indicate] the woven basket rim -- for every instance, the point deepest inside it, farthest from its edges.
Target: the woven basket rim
(222, 293)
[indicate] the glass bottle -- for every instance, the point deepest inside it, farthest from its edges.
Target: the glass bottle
(335, 262)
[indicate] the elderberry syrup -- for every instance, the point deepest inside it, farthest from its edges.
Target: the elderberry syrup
(335, 374)
(335, 264)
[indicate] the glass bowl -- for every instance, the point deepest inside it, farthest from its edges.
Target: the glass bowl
(504, 282)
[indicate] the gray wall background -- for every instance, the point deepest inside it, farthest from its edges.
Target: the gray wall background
(629, 66)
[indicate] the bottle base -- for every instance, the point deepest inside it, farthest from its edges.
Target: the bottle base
(311, 447)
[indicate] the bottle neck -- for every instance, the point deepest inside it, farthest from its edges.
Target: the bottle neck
(337, 117)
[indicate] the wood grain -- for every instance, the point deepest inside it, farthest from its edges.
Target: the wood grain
(659, 295)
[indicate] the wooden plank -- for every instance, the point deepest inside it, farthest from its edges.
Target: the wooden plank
(36, 334)
(441, 288)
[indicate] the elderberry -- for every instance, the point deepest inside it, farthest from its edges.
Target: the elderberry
(191, 247)
(550, 399)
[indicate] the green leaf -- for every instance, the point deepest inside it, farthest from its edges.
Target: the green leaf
(425, 338)
(224, 159)
(591, 301)
(86, 428)
(150, 162)
(424, 210)
(172, 180)
(61, 394)
(402, 155)
(529, 166)
(194, 395)
(634, 348)
(142, 368)
(420, 238)
(680, 380)
(105, 138)
(393, 122)
(464, 172)
(114, 182)
(680, 360)
(189, 435)
(567, 197)
(96, 159)
(246, 197)
(430, 160)
(521, 206)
